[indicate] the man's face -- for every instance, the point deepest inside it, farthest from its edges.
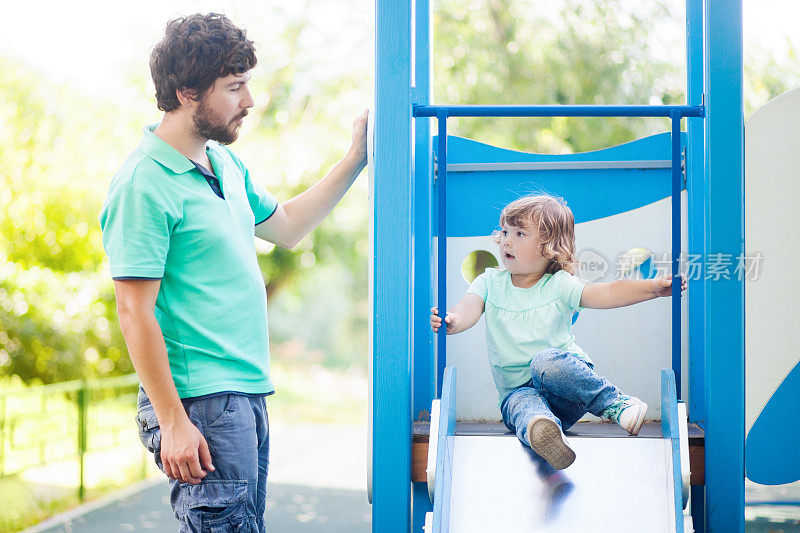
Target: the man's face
(220, 111)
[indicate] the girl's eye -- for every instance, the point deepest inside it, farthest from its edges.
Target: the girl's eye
(520, 234)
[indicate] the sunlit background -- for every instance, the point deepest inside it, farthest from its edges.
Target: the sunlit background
(75, 94)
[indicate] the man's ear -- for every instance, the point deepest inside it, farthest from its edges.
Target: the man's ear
(187, 97)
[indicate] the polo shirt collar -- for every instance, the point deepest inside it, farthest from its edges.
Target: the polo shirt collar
(158, 149)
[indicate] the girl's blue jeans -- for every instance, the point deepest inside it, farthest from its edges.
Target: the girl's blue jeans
(563, 387)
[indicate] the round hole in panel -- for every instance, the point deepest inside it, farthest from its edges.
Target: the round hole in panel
(475, 263)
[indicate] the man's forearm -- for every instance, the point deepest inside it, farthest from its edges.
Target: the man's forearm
(309, 208)
(148, 353)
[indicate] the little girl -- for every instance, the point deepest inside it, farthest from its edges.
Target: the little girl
(546, 382)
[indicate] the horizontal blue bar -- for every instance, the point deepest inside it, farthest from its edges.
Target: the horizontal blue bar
(558, 110)
(790, 503)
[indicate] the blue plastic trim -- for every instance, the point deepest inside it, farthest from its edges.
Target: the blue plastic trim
(670, 430)
(392, 297)
(558, 110)
(724, 376)
(475, 198)
(771, 451)
(444, 453)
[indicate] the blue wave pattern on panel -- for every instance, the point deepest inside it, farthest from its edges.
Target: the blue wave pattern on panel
(475, 198)
(771, 456)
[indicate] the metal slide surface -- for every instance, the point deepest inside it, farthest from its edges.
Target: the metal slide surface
(616, 484)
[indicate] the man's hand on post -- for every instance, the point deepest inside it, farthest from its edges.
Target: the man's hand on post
(358, 147)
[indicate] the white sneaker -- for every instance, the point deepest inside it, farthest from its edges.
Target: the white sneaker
(632, 415)
(547, 440)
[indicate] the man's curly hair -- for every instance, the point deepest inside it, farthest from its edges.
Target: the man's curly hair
(195, 51)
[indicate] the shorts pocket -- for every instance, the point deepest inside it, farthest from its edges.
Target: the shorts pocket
(220, 410)
(149, 432)
(217, 506)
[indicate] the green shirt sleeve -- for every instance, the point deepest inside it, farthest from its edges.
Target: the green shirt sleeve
(262, 203)
(136, 228)
(569, 289)
(478, 287)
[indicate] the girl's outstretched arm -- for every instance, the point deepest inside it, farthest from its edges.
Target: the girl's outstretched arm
(461, 316)
(626, 292)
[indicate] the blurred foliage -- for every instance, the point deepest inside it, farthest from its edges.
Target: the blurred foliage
(59, 150)
(57, 312)
(614, 52)
(768, 74)
(573, 52)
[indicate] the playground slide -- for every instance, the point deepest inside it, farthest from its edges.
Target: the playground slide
(617, 483)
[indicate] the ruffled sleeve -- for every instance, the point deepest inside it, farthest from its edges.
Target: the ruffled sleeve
(569, 289)
(479, 285)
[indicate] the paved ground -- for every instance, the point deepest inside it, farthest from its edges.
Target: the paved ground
(290, 508)
(317, 482)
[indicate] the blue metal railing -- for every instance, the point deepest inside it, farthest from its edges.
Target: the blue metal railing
(666, 111)
(443, 112)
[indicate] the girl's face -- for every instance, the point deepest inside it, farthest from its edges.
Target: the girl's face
(519, 250)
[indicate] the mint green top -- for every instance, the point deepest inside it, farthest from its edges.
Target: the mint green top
(521, 322)
(161, 219)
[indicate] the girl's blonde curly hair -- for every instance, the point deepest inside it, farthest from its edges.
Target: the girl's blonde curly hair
(556, 228)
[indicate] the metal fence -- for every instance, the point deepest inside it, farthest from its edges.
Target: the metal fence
(66, 421)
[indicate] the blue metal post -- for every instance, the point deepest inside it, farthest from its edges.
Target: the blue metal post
(424, 383)
(424, 389)
(696, 195)
(391, 367)
(441, 256)
(724, 373)
(677, 177)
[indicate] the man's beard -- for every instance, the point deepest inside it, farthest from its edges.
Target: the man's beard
(209, 125)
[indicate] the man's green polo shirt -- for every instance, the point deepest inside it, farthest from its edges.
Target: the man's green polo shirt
(162, 220)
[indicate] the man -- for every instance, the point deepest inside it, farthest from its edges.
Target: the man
(178, 226)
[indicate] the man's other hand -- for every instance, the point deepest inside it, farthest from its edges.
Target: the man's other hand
(184, 452)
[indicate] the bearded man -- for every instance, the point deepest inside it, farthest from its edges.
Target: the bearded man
(178, 227)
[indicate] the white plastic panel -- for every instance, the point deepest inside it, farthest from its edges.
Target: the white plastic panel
(772, 187)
